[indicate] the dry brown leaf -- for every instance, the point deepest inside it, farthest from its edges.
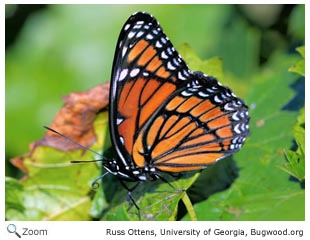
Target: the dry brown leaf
(74, 120)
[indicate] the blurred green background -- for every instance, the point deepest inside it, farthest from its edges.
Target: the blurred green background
(65, 48)
(53, 50)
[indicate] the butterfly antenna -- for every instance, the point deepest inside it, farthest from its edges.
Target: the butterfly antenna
(78, 144)
(95, 184)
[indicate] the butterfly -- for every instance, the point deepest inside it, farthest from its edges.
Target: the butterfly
(163, 116)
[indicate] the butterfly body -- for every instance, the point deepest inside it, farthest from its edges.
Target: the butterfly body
(163, 116)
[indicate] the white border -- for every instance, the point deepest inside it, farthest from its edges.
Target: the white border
(82, 230)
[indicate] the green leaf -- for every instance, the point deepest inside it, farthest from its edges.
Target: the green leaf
(55, 189)
(156, 200)
(301, 51)
(299, 67)
(261, 183)
(212, 67)
(295, 164)
(13, 195)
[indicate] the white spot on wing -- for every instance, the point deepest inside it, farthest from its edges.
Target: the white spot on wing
(142, 178)
(131, 34)
(124, 51)
(139, 34)
(216, 99)
(236, 129)
(203, 94)
(186, 93)
(134, 72)
(158, 44)
(123, 74)
(169, 51)
(170, 66)
(235, 116)
(140, 22)
(164, 55)
(227, 107)
(119, 121)
(176, 62)
(224, 95)
(180, 76)
(126, 27)
(149, 36)
(186, 73)
(163, 40)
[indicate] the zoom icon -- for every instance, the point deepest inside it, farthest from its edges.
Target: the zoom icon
(12, 229)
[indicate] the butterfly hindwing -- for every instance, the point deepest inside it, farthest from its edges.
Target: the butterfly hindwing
(203, 123)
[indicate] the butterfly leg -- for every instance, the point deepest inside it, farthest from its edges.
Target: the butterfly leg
(164, 180)
(129, 194)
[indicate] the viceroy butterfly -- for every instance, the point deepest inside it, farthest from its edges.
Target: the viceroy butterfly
(162, 116)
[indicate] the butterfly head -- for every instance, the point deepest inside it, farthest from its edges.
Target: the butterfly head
(130, 173)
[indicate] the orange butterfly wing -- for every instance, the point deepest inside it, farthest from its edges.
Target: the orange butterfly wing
(161, 114)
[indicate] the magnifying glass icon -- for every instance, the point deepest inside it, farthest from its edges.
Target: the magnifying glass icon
(12, 229)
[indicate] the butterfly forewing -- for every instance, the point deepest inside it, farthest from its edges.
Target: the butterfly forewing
(146, 71)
